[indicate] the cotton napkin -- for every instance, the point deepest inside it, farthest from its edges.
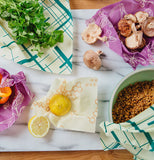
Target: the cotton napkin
(55, 60)
(83, 95)
(135, 135)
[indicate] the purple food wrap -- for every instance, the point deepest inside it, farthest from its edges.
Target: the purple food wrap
(19, 99)
(107, 18)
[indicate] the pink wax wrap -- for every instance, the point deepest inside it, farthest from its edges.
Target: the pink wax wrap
(107, 18)
(20, 97)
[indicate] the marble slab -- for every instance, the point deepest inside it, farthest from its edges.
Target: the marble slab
(18, 138)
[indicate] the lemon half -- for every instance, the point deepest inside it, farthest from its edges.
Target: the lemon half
(38, 126)
(60, 105)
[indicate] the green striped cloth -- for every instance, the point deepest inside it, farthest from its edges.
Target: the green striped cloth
(135, 135)
(55, 60)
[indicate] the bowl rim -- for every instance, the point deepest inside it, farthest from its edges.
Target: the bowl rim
(118, 85)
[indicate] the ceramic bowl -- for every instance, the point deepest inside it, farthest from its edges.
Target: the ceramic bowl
(146, 74)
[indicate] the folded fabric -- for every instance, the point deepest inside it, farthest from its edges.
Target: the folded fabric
(108, 17)
(55, 60)
(135, 135)
(83, 95)
(19, 99)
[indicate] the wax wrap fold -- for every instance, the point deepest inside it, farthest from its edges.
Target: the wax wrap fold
(19, 99)
(136, 135)
(108, 17)
(55, 60)
(83, 95)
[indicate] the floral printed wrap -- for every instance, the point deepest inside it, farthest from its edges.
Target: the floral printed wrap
(107, 18)
(20, 97)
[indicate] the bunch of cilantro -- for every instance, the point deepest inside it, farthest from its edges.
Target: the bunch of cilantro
(27, 21)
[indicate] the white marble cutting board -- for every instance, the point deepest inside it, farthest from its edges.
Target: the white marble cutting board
(18, 138)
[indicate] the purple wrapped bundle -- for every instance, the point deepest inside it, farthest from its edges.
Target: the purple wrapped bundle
(107, 18)
(20, 97)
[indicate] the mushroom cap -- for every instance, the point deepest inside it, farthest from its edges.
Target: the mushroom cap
(92, 60)
(141, 16)
(91, 33)
(125, 27)
(148, 27)
(130, 17)
(135, 40)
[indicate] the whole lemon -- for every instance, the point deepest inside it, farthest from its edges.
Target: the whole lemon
(60, 105)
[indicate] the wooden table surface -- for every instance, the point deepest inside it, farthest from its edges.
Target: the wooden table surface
(73, 155)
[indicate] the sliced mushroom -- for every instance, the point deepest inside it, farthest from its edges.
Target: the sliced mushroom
(124, 27)
(130, 17)
(92, 33)
(141, 16)
(134, 41)
(148, 27)
(93, 59)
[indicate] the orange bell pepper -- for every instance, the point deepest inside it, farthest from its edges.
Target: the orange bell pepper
(5, 93)
(1, 77)
(3, 100)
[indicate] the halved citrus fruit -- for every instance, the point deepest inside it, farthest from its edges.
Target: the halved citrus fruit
(60, 105)
(39, 126)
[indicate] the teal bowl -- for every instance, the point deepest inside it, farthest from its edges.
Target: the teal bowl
(146, 74)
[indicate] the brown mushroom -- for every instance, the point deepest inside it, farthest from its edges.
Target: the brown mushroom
(92, 33)
(138, 26)
(134, 41)
(141, 16)
(130, 17)
(93, 60)
(124, 27)
(142, 44)
(148, 27)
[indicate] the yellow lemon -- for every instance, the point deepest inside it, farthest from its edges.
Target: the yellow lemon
(60, 105)
(38, 126)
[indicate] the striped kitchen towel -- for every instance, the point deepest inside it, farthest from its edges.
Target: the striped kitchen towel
(135, 135)
(55, 60)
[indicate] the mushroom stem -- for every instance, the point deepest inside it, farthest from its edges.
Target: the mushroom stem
(100, 54)
(133, 28)
(103, 39)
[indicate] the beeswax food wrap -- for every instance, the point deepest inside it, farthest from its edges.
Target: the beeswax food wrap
(107, 18)
(83, 95)
(19, 99)
(136, 135)
(55, 60)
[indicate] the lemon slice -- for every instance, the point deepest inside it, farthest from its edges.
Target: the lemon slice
(59, 105)
(38, 126)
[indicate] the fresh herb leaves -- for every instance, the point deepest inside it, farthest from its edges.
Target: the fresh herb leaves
(27, 21)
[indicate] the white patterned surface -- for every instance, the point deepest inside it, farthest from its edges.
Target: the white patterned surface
(113, 69)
